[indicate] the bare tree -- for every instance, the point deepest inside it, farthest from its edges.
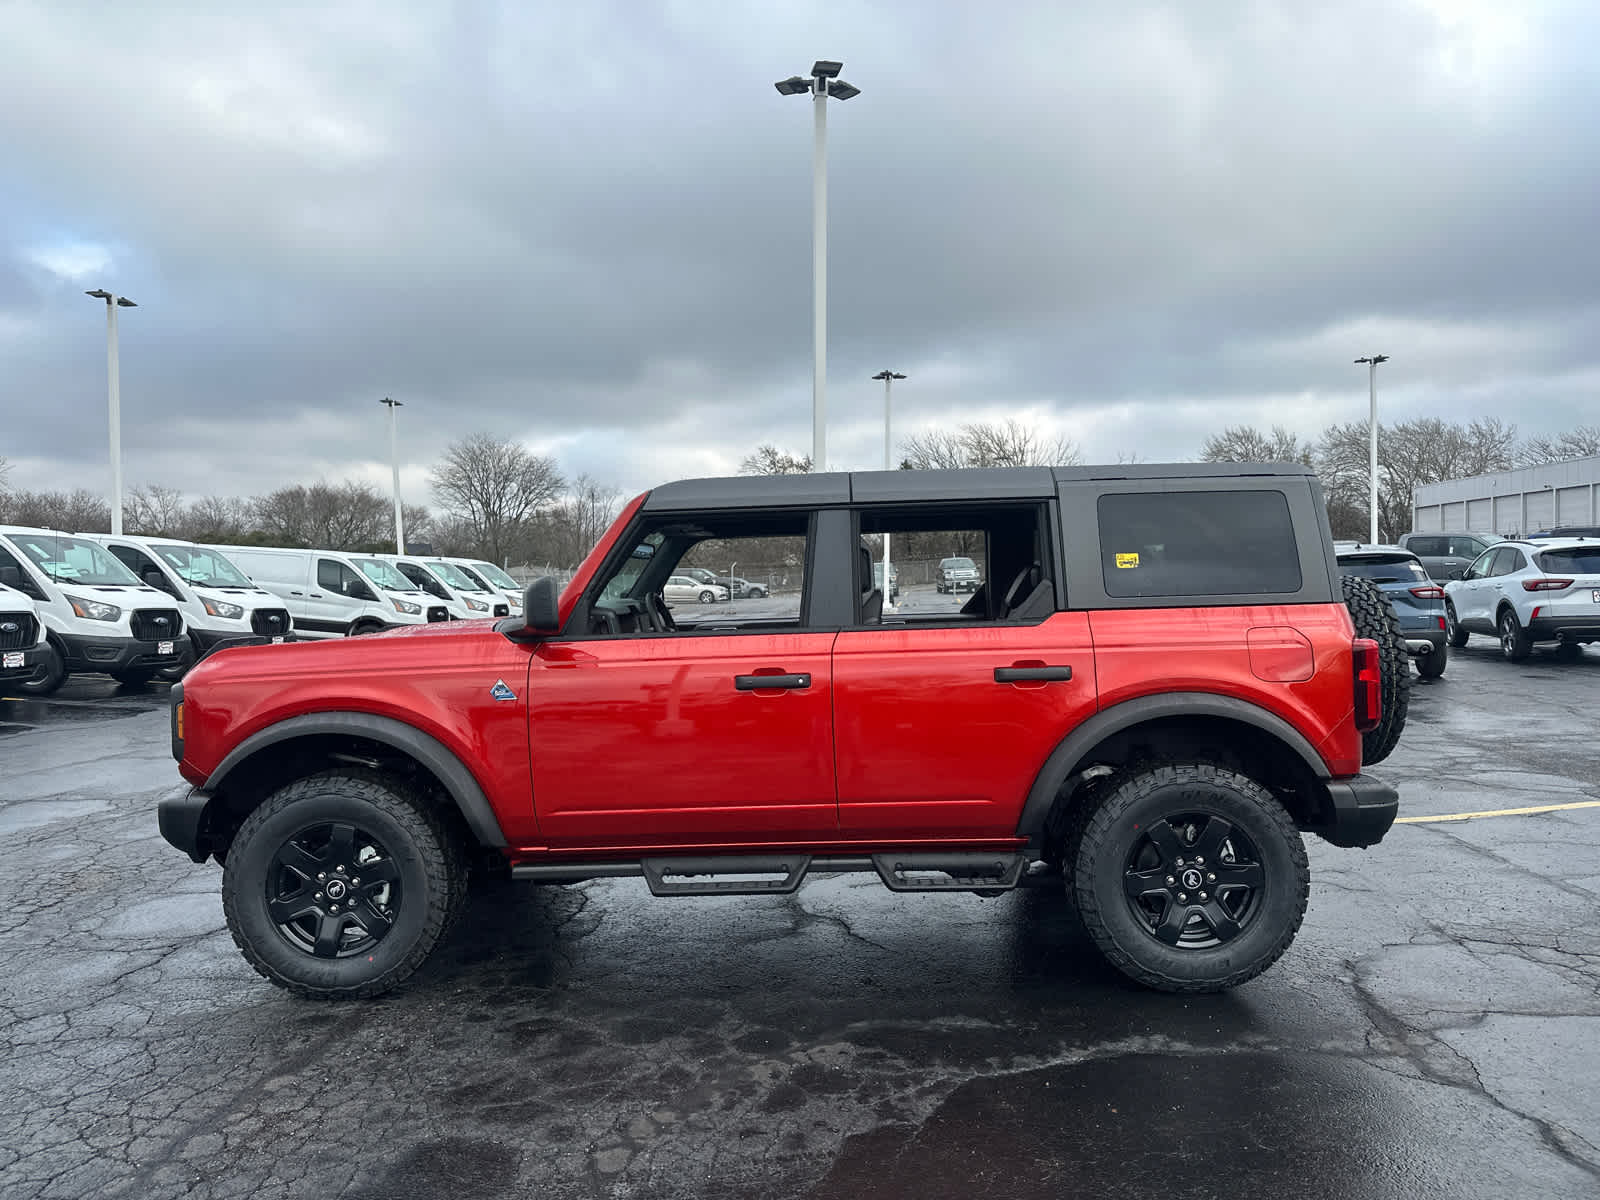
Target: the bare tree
(154, 510)
(349, 516)
(1247, 444)
(565, 533)
(79, 511)
(225, 519)
(1006, 443)
(1582, 442)
(769, 460)
(496, 486)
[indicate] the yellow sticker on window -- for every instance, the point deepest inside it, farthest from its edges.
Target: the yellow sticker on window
(1124, 561)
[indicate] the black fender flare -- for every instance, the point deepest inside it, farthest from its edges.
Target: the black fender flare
(1069, 753)
(433, 754)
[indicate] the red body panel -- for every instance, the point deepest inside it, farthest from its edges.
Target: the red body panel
(1151, 651)
(437, 678)
(930, 745)
(647, 738)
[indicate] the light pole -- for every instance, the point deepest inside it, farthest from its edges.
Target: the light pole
(888, 378)
(394, 459)
(114, 398)
(824, 82)
(1372, 362)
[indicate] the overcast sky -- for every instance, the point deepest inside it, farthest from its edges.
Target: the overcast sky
(587, 226)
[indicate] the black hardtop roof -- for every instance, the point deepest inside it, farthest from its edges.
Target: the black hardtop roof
(978, 483)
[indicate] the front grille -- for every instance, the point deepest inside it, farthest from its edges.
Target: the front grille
(155, 624)
(18, 630)
(438, 613)
(502, 610)
(270, 622)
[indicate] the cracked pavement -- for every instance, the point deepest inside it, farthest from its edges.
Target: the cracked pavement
(1434, 1031)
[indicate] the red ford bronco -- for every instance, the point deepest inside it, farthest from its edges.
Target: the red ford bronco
(1159, 686)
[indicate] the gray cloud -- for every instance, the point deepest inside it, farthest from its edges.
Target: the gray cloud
(591, 229)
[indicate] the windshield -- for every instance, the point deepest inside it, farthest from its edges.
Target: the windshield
(204, 568)
(495, 576)
(73, 560)
(1579, 560)
(1394, 570)
(384, 575)
(455, 577)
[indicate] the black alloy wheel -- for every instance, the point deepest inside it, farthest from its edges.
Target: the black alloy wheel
(333, 890)
(1194, 880)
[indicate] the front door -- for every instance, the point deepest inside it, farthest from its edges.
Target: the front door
(674, 739)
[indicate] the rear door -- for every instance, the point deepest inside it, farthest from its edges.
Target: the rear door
(948, 704)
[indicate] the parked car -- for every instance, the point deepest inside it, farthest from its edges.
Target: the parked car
(1153, 739)
(98, 615)
(332, 594)
(1528, 592)
(687, 587)
(1417, 601)
(741, 589)
(492, 578)
(1448, 555)
(217, 600)
(702, 575)
(26, 654)
(464, 596)
(958, 575)
(1583, 531)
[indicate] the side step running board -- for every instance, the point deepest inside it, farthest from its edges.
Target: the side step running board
(957, 872)
(760, 874)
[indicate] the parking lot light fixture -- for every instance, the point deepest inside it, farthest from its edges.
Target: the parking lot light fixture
(114, 398)
(1372, 362)
(824, 82)
(394, 460)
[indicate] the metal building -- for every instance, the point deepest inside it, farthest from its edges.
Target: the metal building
(1514, 503)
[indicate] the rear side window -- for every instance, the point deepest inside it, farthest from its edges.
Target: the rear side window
(1428, 545)
(1580, 560)
(1198, 544)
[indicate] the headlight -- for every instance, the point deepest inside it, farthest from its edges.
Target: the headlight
(476, 605)
(95, 610)
(405, 606)
(220, 608)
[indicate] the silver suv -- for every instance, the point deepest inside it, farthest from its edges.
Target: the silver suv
(1541, 590)
(1448, 555)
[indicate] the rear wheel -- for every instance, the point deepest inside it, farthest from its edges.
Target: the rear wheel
(340, 884)
(1515, 642)
(708, 597)
(1373, 618)
(1189, 877)
(1453, 633)
(1431, 666)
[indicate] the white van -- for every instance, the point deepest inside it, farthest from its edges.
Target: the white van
(97, 613)
(494, 578)
(217, 602)
(333, 594)
(27, 659)
(468, 597)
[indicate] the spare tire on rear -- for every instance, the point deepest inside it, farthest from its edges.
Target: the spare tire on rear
(1376, 620)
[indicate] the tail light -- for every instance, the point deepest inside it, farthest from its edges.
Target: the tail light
(1545, 585)
(1442, 625)
(1429, 592)
(1369, 684)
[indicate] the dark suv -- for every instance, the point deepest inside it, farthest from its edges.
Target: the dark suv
(1162, 684)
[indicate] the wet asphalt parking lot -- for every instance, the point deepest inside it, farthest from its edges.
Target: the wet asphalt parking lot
(1434, 1031)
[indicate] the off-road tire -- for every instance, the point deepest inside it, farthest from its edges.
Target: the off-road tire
(1126, 811)
(1374, 619)
(1515, 641)
(1431, 666)
(1454, 634)
(428, 864)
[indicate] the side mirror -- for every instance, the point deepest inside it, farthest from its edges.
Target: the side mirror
(11, 577)
(541, 609)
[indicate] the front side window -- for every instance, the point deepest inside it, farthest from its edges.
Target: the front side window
(1480, 569)
(496, 576)
(1211, 543)
(74, 560)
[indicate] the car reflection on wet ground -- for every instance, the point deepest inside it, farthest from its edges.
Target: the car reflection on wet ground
(1434, 1031)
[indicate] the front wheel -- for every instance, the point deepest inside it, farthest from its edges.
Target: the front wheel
(1431, 666)
(708, 597)
(1515, 642)
(340, 884)
(1453, 633)
(1189, 877)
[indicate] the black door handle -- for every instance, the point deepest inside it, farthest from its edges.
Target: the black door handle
(296, 593)
(1025, 674)
(751, 683)
(316, 595)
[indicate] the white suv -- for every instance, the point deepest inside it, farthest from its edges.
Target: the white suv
(1539, 590)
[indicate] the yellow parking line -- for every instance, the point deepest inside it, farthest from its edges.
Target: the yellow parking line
(1499, 812)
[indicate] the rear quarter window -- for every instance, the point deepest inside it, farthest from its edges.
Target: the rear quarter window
(1203, 543)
